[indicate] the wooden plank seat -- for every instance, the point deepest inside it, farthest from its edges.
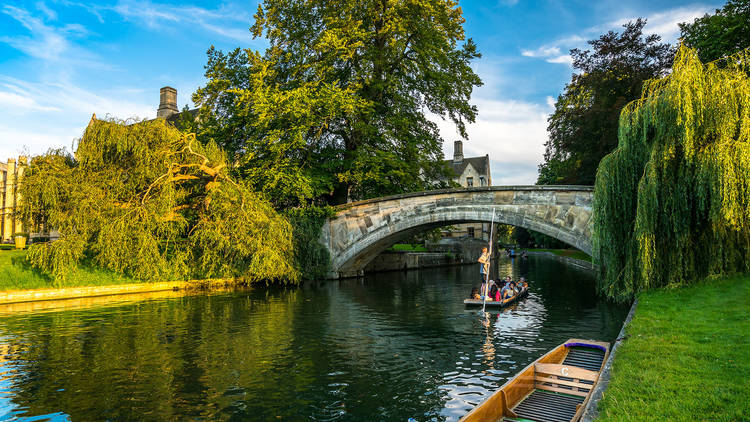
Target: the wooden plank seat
(563, 378)
(548, 406)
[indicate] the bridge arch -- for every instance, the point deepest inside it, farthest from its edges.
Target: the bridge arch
(362, 230)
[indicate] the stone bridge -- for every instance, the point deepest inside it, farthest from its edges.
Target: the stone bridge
(362, 230)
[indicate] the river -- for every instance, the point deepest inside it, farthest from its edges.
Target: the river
(388, 347)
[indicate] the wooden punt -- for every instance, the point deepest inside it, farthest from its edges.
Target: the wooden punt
(497, 303)
(556, 387)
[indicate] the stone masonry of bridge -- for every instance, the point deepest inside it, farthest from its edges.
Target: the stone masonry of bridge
(362, 230)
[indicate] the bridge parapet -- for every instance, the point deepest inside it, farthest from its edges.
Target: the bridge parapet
(362, 230)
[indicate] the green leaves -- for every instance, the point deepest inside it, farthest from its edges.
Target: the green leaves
(719, 35)
(583, 127)
(672, 202)
(334, 109)
(151, 202)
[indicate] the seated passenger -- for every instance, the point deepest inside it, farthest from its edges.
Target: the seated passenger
(506, 291)
(505, 287)
(523, 284)
(493, 290)
(474, 293)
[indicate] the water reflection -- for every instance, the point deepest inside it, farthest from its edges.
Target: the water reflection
(387, 347)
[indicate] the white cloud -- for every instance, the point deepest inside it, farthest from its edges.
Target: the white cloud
(662, 23)
(60, 95)
(543, 51)
(45, 43)
(12, 103)
(513, 133)
(51, 14)
(51, 110)
(53, 45)
(15, 142)
(565, 58)
(229, 23)
(47, 115)
(551, 53)
(665, 23)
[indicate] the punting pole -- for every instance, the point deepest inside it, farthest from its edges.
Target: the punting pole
(487, 275)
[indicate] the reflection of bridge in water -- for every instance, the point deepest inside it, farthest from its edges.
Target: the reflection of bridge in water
(362, 230)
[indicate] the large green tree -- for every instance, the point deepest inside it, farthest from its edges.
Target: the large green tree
(721, 34)
(672, 202)
(337, 107)
(152, 202)
(583, 127)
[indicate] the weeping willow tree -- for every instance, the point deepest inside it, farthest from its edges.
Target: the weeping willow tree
(672, 202)
(151, 202)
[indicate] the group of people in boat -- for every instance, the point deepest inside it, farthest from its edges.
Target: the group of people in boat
(509, 289)
(494, 291)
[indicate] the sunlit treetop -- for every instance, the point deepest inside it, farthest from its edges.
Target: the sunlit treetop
(150, 201)
(672, 202)
(336, 108)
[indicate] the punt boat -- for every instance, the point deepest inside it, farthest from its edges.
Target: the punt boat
(497, 303)
(556, 387)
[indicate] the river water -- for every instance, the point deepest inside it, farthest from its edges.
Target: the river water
(388, 347)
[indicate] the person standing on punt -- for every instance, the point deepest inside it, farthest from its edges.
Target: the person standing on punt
(484, 261)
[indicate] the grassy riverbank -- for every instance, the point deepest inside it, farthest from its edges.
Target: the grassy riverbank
(407, 247)
(686, 356)
(16, 274)
(570, 253)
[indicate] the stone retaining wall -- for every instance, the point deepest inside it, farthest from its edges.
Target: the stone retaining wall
(32, 295)
(393, 261)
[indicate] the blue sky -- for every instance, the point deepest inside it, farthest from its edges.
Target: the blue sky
(61, 61)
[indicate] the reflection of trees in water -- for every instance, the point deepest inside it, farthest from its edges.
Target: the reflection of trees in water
(386, 345)
(166, 361)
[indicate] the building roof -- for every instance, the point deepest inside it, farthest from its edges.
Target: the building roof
(480, 164)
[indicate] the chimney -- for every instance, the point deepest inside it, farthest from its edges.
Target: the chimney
(167, 102)
(458, 152)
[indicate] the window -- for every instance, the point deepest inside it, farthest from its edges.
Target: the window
(469, 181)
(470, 230)
(481, 180)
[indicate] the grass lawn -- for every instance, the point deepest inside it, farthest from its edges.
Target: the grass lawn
(687, 356)
(571, 253)
(16, 274)
(407, 247)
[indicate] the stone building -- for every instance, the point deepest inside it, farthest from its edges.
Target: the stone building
(167, 103)
(168, 106)
(10, 174)
(469, 172)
